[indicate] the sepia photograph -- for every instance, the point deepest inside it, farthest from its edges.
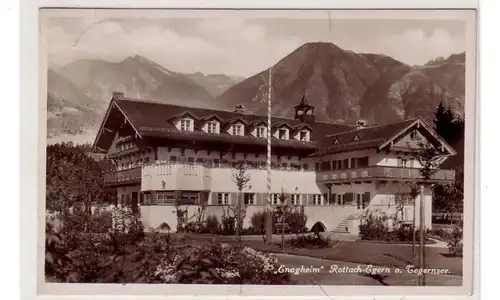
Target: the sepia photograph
(253, 147)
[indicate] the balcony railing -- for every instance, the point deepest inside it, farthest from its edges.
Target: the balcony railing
(383, 173)
(123, 176)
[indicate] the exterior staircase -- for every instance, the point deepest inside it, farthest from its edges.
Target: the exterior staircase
(342, 227)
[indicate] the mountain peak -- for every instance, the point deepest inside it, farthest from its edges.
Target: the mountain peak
(324, 46)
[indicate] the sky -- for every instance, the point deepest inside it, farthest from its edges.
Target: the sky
(238, 44)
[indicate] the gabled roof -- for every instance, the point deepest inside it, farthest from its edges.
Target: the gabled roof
(185, 114)
(151, 119)
(378, 137)
(301, 126)
(211, 117)
(236, 119)
(281, 125)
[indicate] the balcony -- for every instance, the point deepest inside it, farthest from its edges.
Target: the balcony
(383, 173)
(128, 176)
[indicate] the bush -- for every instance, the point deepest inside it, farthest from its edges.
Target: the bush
(228, 226)
(455, 244)
(102, 221)
(220, 264)
(374, 228)
(310, 241)
(297, 221)
(212, 225)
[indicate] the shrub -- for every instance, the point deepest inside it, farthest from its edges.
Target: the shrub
(455, 244)
(212, 224)
(102, 221)
(297, 221)
(373, 228)
(310, 241)
(220, 264)
(228, 225)
(258, 222)
(440, 234)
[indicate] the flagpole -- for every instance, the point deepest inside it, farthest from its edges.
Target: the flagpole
(269, 224)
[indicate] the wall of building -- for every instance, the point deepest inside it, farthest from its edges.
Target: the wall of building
(125, 192)
(385, 201)
(154, 215)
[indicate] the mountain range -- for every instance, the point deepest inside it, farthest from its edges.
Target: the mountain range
(343, 85)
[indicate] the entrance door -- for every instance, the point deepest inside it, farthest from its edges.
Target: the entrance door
(135, 202)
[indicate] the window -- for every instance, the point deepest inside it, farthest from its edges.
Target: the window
(353, 163)
(212, 127)
(356, 138)
(190, 159)
(403, 162)
(325, 165)
(295, 199)
(284, 165)
(261, 132)
(317, 167)
(173, 158)
(148, 199)
(223, 198)
(282, 134)
(305, 167)
(249, 199)
(363, 162)
(303, 135)
(275, 199)
(237, 129)
(189, 198)
(346, 164)
(199, 160)
(413, 134)
(186, 124)
(316, 199)
(165, 198)
(340, 199)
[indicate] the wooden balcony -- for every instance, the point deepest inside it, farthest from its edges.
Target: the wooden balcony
(123, 177)
(383, 173)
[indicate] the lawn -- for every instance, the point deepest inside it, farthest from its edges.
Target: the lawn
(380, 254)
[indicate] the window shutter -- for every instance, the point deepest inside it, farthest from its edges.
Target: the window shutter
(348, 198)
(366, 197)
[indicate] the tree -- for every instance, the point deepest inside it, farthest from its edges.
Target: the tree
(448, 198)
(447, 124)
(429, 158)
(74, 177)
(241, 179)
(282, 211)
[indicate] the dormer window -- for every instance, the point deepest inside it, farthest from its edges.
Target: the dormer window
(212, 127)
(304, 135)
(186, 124)
(260, 132)
(283, 134)
(237, 129)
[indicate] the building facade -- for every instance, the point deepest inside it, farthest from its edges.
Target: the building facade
(169, 154)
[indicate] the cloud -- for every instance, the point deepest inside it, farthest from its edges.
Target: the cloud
(416, 46)
(230, 45)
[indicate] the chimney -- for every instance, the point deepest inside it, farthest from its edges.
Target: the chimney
(361, 124)
(118, 95)
(239, 109)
